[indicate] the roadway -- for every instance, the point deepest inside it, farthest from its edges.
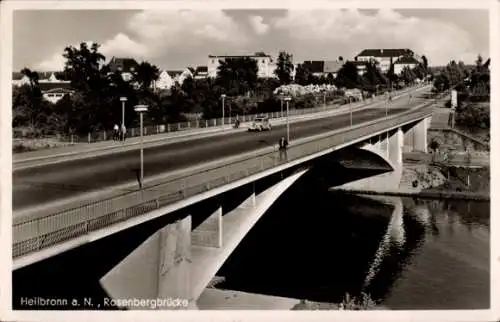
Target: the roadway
(49, 183)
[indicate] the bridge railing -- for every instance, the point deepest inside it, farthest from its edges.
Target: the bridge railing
(215, 122)
(39, 233)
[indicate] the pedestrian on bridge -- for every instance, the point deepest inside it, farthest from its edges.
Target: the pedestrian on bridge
(283, 145)
(116, 132)
(124, 133)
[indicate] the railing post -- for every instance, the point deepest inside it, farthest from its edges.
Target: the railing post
(38, 241)
(168, 127)
(132, 132)
(104, 135)
(179, 126)
(197, 123)
(206, 123)
(89, 138)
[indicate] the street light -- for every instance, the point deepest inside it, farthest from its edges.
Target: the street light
(287, 99)
(123, 99)
(350, 109)
(141, 109)
(281, 100)
(223, 96)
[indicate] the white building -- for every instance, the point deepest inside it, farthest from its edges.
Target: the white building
(403, 62)
(265, 64)
(165, 81)
(384, 57)
(55, 94)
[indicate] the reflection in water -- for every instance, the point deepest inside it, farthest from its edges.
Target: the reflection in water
(447, 243)
(394, 236)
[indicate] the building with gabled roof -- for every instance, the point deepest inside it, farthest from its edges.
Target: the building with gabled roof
(384, 57)
(403, 62)
(265, 63)
(201, 72)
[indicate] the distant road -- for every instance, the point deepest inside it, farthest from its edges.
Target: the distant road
(48, 183)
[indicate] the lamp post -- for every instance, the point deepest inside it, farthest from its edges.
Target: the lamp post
(141, 109)
(350, 110)
(123, 99)
(287, 99)
(223, 96)
(281, 100)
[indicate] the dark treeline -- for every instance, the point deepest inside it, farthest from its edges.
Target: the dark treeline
(95, 104)
(472, 84)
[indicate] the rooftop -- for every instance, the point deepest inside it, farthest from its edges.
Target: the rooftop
(385, 52)
(124, 65)
(407, 60)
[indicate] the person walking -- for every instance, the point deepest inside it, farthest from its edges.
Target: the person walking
(115, 132)
(124, 132)
(283, 144)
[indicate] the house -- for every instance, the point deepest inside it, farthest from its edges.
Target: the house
(360, 66)
(55, 94)
(186, 73)
(385, 57)
(321, 68)
(126, 66)
(19, 79)
(165, 81)
(403, 62)
(201, 72)
(315, 67)
(53, 89)
(265, 64)
(333, 67)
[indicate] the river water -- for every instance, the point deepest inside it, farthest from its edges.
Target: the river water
(407, 253)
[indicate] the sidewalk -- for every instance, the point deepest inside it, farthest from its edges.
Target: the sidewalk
(83, 148)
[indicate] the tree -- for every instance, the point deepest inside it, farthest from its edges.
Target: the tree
(144, 75)
(237, 75)
(425, 63)
(83, 67)
(284, 68)
(29, 107)
(348, 76)
(407, 75)
(302, 75)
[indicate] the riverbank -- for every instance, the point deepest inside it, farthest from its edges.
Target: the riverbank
(429, 194)
(436, 182)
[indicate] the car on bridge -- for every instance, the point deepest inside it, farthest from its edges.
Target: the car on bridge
(260, 123)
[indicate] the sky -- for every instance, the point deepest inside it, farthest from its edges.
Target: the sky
(175, 39)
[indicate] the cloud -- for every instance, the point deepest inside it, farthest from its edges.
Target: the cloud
(121, 44)
(340, 29)
(54, 63)
(258, 25)
(153, 34)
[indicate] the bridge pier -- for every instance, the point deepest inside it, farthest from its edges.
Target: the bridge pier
(209, 232)
(160, 268)
(178, 262)
(416, 138)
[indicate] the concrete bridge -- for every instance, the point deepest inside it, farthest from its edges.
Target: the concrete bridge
(179, 260)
